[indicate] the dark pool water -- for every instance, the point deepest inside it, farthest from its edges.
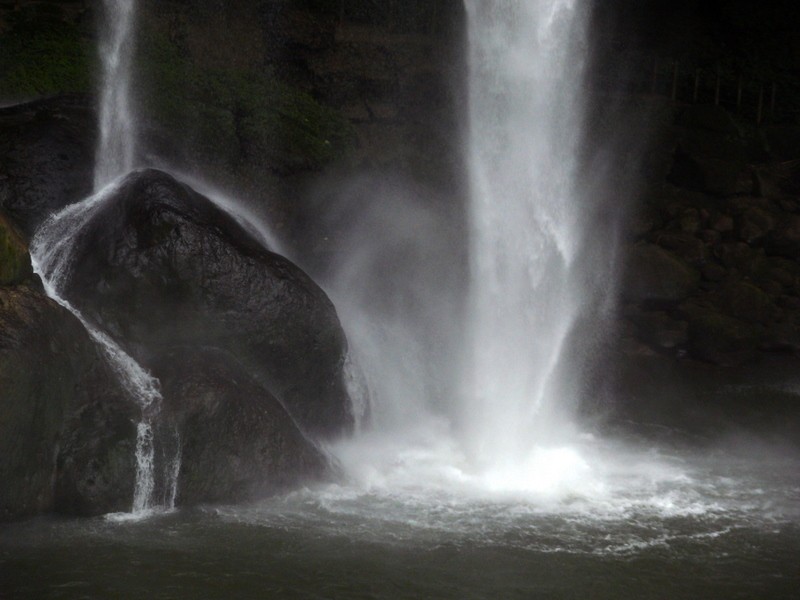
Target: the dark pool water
(654, 524)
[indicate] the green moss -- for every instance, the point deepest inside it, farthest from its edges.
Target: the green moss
(236, 116)
(43, 55)
(15, 262)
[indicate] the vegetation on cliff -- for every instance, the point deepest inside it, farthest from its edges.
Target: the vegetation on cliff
(237, 116)
(44, 53)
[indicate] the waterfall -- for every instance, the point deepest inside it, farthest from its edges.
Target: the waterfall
(117, 144)
(52, 247)
(525, 68)
(480, 397)
(51, 254)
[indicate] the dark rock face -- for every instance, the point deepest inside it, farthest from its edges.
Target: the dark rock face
(66, 429)
(159, 266)
(237, 441)
(655, 274)
(713, 271)
(46, 157)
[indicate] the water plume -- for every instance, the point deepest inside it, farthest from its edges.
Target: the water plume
(525, 129)
(116, 149)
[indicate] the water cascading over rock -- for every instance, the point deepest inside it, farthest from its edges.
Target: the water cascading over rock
(172, 284)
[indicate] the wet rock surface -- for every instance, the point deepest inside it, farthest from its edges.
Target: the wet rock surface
(237, 442)
(160, 266)
(46, 157)
(713, 250)
(66, 428)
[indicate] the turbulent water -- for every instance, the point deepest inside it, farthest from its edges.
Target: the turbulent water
(661, 523)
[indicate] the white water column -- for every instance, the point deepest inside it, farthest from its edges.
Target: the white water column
(526, 63)
(116, 149)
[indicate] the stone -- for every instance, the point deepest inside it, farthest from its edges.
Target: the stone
(754, 224)
(785, 240)
(238, 443)
(46, 157)
(661, 330)
(654, 274)
(682, 244)
(744, 301)
(67, 438)
(160, 266)
(720, 339)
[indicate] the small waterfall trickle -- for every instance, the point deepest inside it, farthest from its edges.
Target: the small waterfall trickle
(52, 246)
(51, 254)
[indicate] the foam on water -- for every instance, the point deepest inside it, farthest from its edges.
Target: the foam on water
(620, 499)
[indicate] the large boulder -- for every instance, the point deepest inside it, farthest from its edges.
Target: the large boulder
(721, 339)
(46, 157)
(237, 442)
(160, 266)
(67, 431)
(657, 275)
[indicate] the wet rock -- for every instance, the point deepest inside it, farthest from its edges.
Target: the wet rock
(46, 157)
(785, 240)
(160, 266)
(661, 330)
(66, 429)
(708, 174)
(712, 271)
(744, 301)
(654, 274)
(784, 271)
(768, 181)
(237, 441)
(735, 255)
(722, 223)
(682, 244)
(720, 339)
(690, 221)
(710, 237)
(15, 262)
(754, 224)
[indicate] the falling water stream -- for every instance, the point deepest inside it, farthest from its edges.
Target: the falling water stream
(116, 147)
(526, 66)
